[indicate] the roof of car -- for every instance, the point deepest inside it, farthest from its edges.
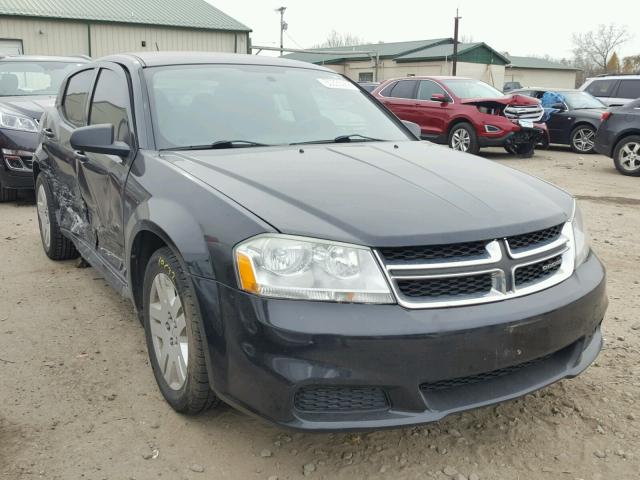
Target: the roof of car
(543, 89)
(44, 58)
(157, 59)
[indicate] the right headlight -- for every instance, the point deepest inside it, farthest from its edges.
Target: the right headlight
(284, 266)
(580, 236)
(15, 121)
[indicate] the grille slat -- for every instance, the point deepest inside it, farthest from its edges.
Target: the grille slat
(340, 399)
(538, 271)
(434, 252)
(449, 287)
(534, 239)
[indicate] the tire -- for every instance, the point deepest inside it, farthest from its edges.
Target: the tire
(8, 194)
(56, 246)
(626, 156)
(525, 150)
(181, 376)
(582, 139)
(544, 143)
(463, 138)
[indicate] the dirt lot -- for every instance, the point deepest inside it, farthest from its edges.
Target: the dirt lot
(78, 399)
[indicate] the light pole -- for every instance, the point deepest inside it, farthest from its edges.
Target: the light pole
(283, 28)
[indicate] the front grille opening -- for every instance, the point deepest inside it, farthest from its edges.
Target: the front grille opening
(447, 287)
(480, 377)
(434, 252)
(538, 271)
(319, 399)
(535, 239)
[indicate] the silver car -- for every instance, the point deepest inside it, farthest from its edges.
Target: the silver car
(614, 90)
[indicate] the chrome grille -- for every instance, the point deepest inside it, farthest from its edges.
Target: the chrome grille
(524, 112)
(436, 277)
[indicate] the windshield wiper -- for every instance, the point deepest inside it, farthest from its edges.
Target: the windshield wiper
(219, 145)
(354, 137)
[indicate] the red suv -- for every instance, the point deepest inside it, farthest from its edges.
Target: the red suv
(465, 113)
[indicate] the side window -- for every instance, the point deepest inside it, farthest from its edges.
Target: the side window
(75, 98)
(404, 89)
(629, 89)
(427, 88)
(386, 91)
(110, 104)
(601, 88)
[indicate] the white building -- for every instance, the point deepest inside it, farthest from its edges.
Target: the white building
(537, 72)
(97, 28)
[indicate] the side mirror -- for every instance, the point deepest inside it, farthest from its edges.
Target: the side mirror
(559, 106)
(414, 128)
(98, 139)
(440, 97)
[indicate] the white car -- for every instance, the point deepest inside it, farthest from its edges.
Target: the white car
(614, 90)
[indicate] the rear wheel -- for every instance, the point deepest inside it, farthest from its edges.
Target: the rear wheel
(626, 156)
(55, 245)
(175, 340)
(463, 138)
(582, 139)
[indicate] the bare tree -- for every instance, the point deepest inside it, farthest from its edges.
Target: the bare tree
(631, 64)
(466, 38)
(336, 39)
(594, 49)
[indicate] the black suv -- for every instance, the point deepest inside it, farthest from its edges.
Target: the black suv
(28, 84)
(292, 249)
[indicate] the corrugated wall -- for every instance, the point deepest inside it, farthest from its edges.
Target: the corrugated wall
(44, 37)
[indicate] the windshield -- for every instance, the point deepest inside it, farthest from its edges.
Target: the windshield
(32, 78)
(578, 100)
(467, 88)
(193, 105)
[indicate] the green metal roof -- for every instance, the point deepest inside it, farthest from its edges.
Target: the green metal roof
(174, 13)
(477, 52)
(383, 50)
(538, 63)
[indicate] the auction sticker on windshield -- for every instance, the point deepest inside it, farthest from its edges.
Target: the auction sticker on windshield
(337, 83)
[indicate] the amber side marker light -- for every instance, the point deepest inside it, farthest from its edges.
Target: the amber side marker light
(247, 276)
(605, 116)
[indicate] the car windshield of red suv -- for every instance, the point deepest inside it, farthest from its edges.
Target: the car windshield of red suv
(468, 88)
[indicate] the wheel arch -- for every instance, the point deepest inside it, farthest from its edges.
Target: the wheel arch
(458, 121)
(621, 136)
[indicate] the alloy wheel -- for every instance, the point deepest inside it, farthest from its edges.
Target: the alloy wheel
(630, 156)
(584, 139)
(460, 140)
(168, 327)
(43, 217)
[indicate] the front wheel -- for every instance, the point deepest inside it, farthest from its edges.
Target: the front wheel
(582, 139)
(626, 156)
(523, 150)
(175, 339)
(54, 243)
(463, 138)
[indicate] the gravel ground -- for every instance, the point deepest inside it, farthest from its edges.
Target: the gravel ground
(78, 399)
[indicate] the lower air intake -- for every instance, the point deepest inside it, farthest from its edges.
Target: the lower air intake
(340, 399)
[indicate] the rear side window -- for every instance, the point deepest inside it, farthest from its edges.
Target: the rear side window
(404, 89)
(110, 104)
(75, 98)
(629, 89)
(427, 88)
(601, 88)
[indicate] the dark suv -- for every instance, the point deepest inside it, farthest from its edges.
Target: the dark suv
(292, 248)
(619, 138)
(28, 84)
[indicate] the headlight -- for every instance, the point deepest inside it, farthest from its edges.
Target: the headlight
(16, 121)
(580, 237)
(284, 266)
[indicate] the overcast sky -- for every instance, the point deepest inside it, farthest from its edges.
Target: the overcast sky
(518, 27)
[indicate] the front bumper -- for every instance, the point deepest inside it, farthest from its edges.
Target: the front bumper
(518, 137)
(19, 141)
(262, 351)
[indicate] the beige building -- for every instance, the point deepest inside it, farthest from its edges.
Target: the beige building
(97, 28)
(537, 72)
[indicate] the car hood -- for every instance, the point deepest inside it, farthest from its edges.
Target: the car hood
(506, 100)
(381, 194)
(32, 106)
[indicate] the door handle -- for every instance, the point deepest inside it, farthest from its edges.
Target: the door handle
(48, 133)
(80, 156)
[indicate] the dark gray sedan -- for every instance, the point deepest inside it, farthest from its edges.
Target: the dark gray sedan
(292, 249)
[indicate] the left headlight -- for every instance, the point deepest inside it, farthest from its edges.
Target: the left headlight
(15, 121)
(580, 237)
(284, 266)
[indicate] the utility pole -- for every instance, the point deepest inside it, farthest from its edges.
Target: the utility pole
(455, 44)
(283, 28)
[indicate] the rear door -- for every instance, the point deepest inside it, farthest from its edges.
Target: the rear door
(102, 177)
(400, 99)
(69, 114)
(628, 90)
(431, 116)
(604, 89)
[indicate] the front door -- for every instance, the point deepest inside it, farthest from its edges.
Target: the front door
(431, 116)
(102, 177)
